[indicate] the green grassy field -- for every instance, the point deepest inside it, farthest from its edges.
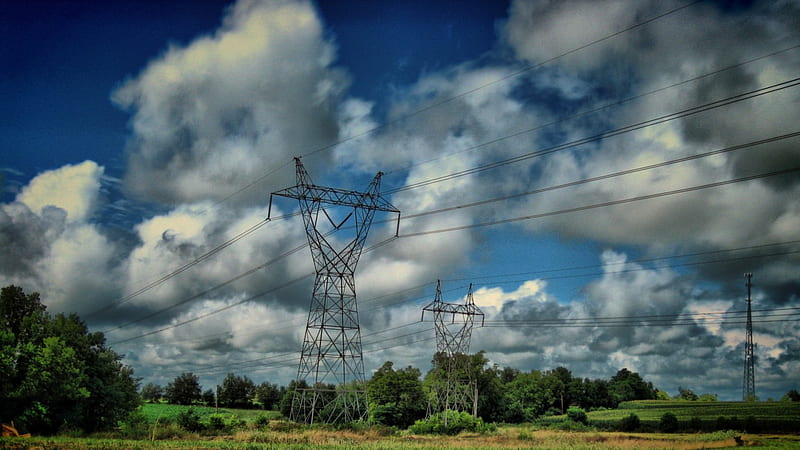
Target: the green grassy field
(161, 411)
(785, 416)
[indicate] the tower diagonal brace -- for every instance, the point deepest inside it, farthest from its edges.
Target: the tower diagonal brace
(330, 386)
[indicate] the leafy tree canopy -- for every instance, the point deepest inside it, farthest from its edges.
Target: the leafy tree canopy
(183, 390)
(396, 396)
(791, 396)
(152, 392)
(237, 392)
(54, 373)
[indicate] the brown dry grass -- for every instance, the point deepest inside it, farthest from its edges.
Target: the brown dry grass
(510, 437)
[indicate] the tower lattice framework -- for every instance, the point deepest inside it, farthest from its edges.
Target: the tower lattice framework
(330, 386)
(749, 378)
(454, 324)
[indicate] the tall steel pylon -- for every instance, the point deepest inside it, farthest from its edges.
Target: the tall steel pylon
(330, 385)
(457, 390)
(749, 379)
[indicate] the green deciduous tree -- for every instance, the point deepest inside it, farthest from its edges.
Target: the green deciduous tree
(708, 398)
(183, 390)
(237, 392)
(152, 392)
(668, 423)
(626, 386)
(396, 396)
(791, 396)
(686, 394)
(269, 395)
(54, 373)
(526, 397)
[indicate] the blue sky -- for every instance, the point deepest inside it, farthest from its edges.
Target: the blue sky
(139, 136)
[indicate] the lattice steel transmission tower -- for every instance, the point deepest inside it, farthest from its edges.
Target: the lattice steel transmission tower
(330, 384)
(749, 379)
(457, 389)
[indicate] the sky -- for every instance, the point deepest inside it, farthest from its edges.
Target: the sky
(601, 173)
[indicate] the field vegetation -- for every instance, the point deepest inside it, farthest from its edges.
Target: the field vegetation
(753, 417)
(159, 425)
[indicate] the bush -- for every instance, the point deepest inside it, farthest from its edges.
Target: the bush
(456, 423)
(570, 425)
(262, 420)
(695, 424)
(723, 424)
(751, 425)
(668, 423)
(216, 422)
(135, 426)
(189, 420)
(630, 423)
(578, 415)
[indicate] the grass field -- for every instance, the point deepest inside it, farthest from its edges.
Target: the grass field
(160, 411)
(773, 416)
(506, 437)
(649, 410)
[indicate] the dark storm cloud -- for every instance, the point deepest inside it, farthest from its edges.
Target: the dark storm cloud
(25, 237)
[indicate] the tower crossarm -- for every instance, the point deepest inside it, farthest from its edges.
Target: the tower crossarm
(306, 190)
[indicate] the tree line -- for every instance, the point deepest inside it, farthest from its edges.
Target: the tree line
(239, 392)
(399, 397)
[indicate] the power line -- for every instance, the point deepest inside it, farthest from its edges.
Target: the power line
(216, 311)
(463, 94)
(607, 176)
(604, 204)
(248, 231)
(644, 269)
(638, 261)
(502, 79)
(663, 320)
(185, 267)
(712, 315)
(599, 108)
(722, 260)
(606, 134)
(225, 308)
(491, 223)
(213, 288)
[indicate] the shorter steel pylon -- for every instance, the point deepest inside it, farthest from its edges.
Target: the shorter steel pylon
(455, 389)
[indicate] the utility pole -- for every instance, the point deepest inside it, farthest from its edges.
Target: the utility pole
(749, 379)
(331, 387)
(452, 349)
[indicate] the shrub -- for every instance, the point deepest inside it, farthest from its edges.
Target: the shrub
(668, 423)
(570, 425)
(135, 425)
(723, 423)
(262, 420)
(578, 415)
(216, 422)
(751, 425)
(189, 420)
(456, 423)
(630, 423)
(695, 424)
